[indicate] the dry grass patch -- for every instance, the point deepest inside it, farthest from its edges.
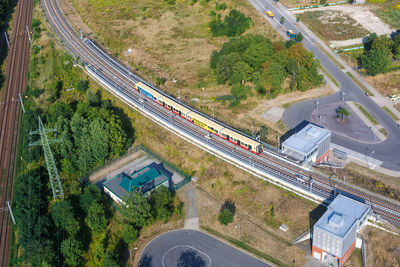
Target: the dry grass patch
(383, 248)
(386, 84)
(299, 3)
(333, 25)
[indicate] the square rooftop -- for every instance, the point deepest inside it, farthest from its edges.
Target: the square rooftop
(342, 213)
(307, 139)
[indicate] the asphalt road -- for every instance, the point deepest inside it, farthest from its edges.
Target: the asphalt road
(387, 151)
(194, 248)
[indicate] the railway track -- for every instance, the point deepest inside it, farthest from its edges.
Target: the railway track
(16, 70)
(121, 81)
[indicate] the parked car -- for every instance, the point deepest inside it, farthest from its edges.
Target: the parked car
(394, 97)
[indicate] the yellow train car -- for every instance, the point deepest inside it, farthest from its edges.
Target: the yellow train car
(204, 123)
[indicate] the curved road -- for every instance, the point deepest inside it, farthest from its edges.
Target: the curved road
(194, 248)
(387, 151)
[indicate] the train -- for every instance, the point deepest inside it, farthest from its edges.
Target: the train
(200, 120)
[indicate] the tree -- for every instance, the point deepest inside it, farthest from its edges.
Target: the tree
(110, 260)
(376, 61)
(130, 234)
(96, 218)
(82, 85)
(263, 133)
(343, 112)
(90, 194)
(236, 23)
(227, 212)
(225, 217)
(282, 20)
(241, 73)
(240, 91)
(299, 37)
(161, 201)
(136, 209)
(64, 217)
(224, 68)
(72, 251)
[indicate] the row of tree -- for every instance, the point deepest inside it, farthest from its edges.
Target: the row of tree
(255, 61)
(379, 52)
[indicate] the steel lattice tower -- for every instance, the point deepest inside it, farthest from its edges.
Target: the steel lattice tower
(55, 182)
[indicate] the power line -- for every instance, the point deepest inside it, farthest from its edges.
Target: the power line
(55, 182)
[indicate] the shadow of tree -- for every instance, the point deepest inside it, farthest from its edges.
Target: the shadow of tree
(146, 261)
(189, 258)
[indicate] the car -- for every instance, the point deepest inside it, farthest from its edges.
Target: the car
(270, 13)
(394, 97)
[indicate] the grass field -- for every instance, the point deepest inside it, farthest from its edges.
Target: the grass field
(332, 25)
(386, 84)
(299, 3)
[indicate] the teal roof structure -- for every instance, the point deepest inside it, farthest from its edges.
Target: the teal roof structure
(139, 178)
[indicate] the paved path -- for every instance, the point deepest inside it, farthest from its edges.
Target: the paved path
(194, 248)
(388, 151)
(192, 217)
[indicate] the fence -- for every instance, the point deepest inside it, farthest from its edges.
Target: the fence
(178, 185)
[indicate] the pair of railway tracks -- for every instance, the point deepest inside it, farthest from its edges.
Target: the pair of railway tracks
(17, 64)
(122, 81)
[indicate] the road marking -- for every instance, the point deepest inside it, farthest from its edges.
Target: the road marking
(169, 250)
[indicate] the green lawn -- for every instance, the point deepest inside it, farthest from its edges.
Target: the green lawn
(391, 114)
(369, 116)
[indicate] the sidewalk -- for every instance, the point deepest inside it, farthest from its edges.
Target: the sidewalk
(377, 98)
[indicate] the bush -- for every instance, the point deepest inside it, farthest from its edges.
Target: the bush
(299, 37)
(234, 24)
(82, 85)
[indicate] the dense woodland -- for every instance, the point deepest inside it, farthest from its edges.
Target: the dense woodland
(270, 67)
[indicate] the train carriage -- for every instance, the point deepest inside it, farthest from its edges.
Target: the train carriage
(173, 106)
(241, 140)
(205, 123)
(147, 91)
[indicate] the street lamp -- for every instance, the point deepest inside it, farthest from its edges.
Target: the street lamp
(130, 252)
(343, 94)
(316, 102)
(372, 132)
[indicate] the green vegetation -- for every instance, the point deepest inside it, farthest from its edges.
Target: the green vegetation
(369, 116)
(383, 131)
(343, 112)
(245, 246)
(359, 84)
(4, 17)
(253, 60)
(227, 212)
(234, 24)
(389, 12)
(391, 114)
(332, 25)
(378, 53)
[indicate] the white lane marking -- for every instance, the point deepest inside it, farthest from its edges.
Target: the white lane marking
(169, 250)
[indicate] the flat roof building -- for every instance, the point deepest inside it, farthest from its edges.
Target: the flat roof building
(144, 180)
(334, 234)
(310, 144)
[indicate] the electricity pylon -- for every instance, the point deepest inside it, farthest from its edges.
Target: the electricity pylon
(55, 182)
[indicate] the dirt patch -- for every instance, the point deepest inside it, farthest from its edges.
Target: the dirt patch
(333, 25)
(359, 14)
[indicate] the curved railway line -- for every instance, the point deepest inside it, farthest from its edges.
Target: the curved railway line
(9, 116)
(121, 81)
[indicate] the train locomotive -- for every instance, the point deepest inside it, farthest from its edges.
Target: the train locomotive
(200, 120)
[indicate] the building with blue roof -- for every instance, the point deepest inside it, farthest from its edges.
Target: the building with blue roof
(334, 234)
(143, 180)
(311, 143)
